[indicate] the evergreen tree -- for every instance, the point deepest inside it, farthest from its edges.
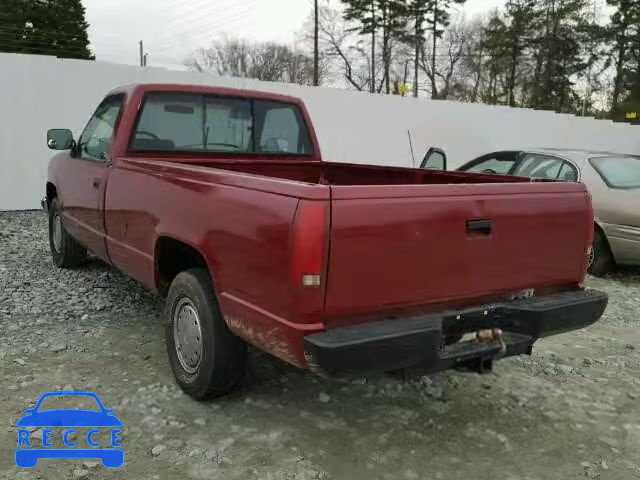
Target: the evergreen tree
(438, 17)
(14, 16)
(622, 37)
(373, 17)
(45, 27)
(560, 54)
(521, 21)
(417, 11)
(496, 44)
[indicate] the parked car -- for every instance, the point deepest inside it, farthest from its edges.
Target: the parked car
(613, 180)
(219, 200)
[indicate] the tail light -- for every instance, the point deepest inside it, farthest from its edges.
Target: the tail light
(309, 244)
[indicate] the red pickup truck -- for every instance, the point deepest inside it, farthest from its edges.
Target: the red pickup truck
(218, 199)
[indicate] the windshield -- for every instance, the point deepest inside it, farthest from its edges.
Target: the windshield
(618, 172)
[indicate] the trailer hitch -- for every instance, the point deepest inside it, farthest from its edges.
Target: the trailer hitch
(484, 364)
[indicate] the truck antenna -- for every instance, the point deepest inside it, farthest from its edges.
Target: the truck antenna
(413, 158)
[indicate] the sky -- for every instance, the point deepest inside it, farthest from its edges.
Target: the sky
(172, 29)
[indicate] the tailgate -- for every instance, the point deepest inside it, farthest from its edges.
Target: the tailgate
(401, 246)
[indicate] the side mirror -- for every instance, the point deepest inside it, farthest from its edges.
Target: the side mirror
(59, 139)
(435, 159)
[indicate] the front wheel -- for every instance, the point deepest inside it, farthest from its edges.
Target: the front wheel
(65, 250)
(207, 359)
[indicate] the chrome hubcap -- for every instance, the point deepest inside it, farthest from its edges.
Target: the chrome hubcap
(592, 257)
(57, 233)
(187, 335)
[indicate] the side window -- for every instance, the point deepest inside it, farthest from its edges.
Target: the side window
(568, 173)
(95, 141)
(435, 159)
(501, 165)
(280, 129)
(539, 166)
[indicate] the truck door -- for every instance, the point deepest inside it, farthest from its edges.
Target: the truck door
(85, 177)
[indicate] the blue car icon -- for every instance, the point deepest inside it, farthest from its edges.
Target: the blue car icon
(69, 419)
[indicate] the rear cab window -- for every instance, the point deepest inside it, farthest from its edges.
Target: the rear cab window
(201, 123)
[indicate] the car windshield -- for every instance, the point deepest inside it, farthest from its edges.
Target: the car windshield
(69, 402)
(618, 172)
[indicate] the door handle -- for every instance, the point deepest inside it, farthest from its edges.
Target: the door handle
(96, 182)
(479, 227)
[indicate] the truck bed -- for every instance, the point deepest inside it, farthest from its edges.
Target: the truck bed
(328, 173)
(414, 238)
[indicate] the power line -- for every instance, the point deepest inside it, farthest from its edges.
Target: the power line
(36, 31)
(65, 46)
(176, 3)
(5, 48)
(197, 14)
(45, 40)
(163, 45)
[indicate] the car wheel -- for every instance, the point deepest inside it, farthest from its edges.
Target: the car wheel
(65, 250)
(207, 359)
(601, 259)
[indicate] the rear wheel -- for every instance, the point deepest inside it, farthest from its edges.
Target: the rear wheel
(65, 250)
(207, 359)
(601, 259)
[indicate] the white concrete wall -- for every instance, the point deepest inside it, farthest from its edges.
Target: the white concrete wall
(37, 93)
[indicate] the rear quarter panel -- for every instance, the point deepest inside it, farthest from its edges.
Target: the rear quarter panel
(241, 224)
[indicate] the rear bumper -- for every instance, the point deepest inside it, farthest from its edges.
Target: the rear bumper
(419, 341)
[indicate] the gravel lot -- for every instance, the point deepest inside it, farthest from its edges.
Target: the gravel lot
(572, 410)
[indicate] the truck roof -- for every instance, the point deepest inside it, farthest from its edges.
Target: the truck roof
(203, 89)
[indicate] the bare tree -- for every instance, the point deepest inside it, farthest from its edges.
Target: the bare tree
(452, 49)
(472, 64)
(263, 61)
(340, 45)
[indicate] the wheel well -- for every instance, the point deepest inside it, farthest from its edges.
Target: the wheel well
(51, 193)
(599, 229)
(172, 257)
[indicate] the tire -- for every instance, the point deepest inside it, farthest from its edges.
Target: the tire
(602, 258)
(65, 250)
(214, 364)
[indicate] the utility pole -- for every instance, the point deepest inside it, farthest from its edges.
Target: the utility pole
(316, 53)
(587, 94)
(418, 29)
(373, 46)
(434, 89)
(141, 49)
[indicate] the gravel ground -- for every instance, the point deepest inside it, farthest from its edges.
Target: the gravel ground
(569, 411)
